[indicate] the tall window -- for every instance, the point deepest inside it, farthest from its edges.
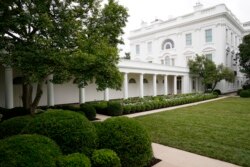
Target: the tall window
(188, 39)
(232, 39)
(209, 37)
(209, 56)
(149, 47)
(173, 61)
(226, 35)
(137, 49)
(167, 61)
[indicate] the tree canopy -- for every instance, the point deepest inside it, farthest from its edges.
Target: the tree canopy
(69, 39)
(209, 72)
(244, 55)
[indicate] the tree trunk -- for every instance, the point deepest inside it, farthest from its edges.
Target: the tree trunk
(214, 86)
(27, 95)
(38, 96)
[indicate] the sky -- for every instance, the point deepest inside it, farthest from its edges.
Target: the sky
(149, 10)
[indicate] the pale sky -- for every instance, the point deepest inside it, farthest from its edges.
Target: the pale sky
(148, 10)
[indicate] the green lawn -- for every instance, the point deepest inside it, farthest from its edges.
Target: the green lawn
(219, 129)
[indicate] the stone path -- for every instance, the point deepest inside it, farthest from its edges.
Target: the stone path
(172, 157)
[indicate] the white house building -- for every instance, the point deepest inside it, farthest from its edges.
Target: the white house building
(159, 55)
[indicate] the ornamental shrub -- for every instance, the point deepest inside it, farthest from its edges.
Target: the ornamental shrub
(114, 109)
(14, 112)
(133, 108)
(13, 126)
(73, 160)
(89, 111)
(105, 158)
(101, 107)
(72, 131)
(28, 151)
(128, 139)
(245, 93)
(217, 91)
(126, 109)
(138, 108)
(238, 91)
(143, 107)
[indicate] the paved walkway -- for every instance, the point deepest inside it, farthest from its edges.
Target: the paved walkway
(172, 157)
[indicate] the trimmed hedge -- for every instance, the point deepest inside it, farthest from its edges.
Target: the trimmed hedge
(14, 112)
(14, 126)
(128, 139)
(74, 160)
(72, 131)
(28, 151)
(114, 109)
(89, 111)
(105, 158)
(245, 93)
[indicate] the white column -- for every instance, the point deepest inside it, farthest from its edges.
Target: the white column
(185, 84)
(82, 98)
(175, 84)
(154, 85)
(141, 86)
(9, 102)
(50, 91)
(125, 86)
(106, 94)
(165, 85)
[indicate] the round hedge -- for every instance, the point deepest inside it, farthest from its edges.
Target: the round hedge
(128, 139)
(245, 93)
(28, 151)
(114, 109)
(13, 126)
(74, 160)
(72, 131)
(89, 111)
(105, 158)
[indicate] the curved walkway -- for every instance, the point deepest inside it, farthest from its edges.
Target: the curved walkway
(172, 157)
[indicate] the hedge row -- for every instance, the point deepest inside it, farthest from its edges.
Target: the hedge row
(43, 139)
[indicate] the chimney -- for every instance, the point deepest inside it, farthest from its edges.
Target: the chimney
(198, 6)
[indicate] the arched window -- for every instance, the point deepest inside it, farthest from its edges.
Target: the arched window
(132, 80)
(145, 80)
(167, 44)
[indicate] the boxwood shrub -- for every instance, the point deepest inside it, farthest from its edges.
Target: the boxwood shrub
(14, 112)
(245, 93)
(114, 109)
(89, 111)
(28, 151)
(128, 139)
(13, 126)
(126, 109)
(105, 158)
(72, 131)
(73, 160)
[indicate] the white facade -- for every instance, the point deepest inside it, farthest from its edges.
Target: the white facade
(158, 65)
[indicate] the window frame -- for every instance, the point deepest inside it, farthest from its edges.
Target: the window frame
(209, 36)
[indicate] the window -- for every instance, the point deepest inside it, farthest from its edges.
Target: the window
(173, 61)
(236, 40)
(209, 56)
(209, 37)
(132, 80)
(178, 83)
(167, 61)
(232, 38)
(194, 84)
(188, 58)
(149, 47)
(167, 44)
(145, 80)
(226, 35)
(188, 39)
(137, 49)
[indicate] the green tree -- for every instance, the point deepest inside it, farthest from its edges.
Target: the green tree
(209, 72)
(244, 55)
(69, 39)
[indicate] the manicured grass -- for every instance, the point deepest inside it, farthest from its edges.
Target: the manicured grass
(219, 129)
